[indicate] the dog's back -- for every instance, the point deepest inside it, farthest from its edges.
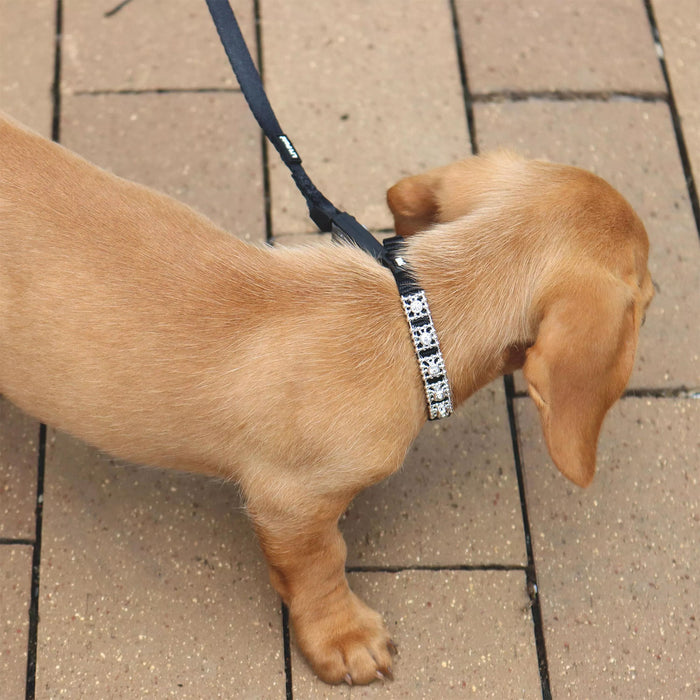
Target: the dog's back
(100, 280)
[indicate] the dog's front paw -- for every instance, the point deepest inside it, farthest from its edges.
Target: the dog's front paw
(347, 643)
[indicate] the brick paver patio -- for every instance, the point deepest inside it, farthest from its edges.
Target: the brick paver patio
(496, 577)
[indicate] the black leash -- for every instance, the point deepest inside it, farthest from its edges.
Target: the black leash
(330, 219)
(322, 212)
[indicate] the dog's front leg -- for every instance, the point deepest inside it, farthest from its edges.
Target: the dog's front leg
(342, 638)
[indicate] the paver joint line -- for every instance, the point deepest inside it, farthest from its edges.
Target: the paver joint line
(681, 392)
(33, 635)
(389, 569)
(266, 186)
(19, 540)
(464, 79)
(678, 392)
(675, 118)
(287, 648)
(157, 91)
(499, 96)
(56, 84)
(531, 572)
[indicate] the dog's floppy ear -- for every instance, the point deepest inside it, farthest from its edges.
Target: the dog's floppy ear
(414, 204)
(578, 367)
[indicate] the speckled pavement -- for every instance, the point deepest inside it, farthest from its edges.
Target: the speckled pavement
(496, 577)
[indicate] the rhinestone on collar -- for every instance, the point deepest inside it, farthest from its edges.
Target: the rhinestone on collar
(430, 360)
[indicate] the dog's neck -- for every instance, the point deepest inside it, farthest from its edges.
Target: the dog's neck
(480, 305)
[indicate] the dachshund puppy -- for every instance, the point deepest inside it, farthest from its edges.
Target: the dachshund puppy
(137, 325)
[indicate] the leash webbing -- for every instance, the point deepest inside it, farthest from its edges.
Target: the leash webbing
(328, 218)
(322, 212)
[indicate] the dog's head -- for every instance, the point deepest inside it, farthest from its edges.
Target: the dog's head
(588, 299)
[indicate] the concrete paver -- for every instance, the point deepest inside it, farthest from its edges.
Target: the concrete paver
(362, 110)
(198, 148)
(548, 45)
(459, 633)
(27, 62)
(19, 438)
(15, 584)
(146, 46)
(632, 145)
(617, 563)
(151, 584)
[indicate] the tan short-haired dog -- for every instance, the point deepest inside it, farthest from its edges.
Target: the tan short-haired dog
(136, 324)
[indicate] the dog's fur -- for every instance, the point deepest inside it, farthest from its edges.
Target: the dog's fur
(136, 324)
